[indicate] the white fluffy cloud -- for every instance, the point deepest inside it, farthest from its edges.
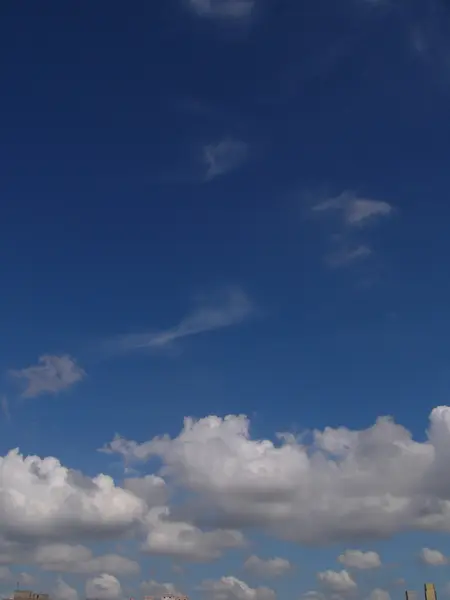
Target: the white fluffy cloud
(272, 567)
(42, 500)
(51, 375)
(356, 559)
(346, 484)
(44, 505)
(183, 540)
(432, 557)
(339, 582)
(104, 587)
(230, 9)
(231, 588)
(342, 484)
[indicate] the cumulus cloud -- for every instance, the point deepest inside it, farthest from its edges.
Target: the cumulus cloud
(432, 557)
(229, 9)
(231, 588)
(183, 540)
(346, 484)
(64, 558)
(104, 587)
(356, 559)
(44, 505)
(224, 156)
(51, 375)
(339, 582)
(63, 591)
(42, 500)
(272, 567)
(331, 485)
(230, 307)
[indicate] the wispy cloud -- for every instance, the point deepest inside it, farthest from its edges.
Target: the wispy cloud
(344, 256)
(224, 9)
(51, 375)
(427, 27)
(224, 156)
(232, 306)
(354, 214)
(355, 211)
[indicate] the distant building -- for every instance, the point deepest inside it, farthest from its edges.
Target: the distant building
(173, 597)
(430, 591)
(29, 595)
(411, 595)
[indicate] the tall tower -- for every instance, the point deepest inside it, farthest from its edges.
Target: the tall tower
(430, 591)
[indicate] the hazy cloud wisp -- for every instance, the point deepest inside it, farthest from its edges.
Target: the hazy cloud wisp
(51, 375)
(355, 211)
(354, 214)
(232, 307)
(224, 156)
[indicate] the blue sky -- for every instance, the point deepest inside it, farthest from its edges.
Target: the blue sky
(212, 208)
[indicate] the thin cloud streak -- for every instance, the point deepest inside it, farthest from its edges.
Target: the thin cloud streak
(233, 307)
(345, 257)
